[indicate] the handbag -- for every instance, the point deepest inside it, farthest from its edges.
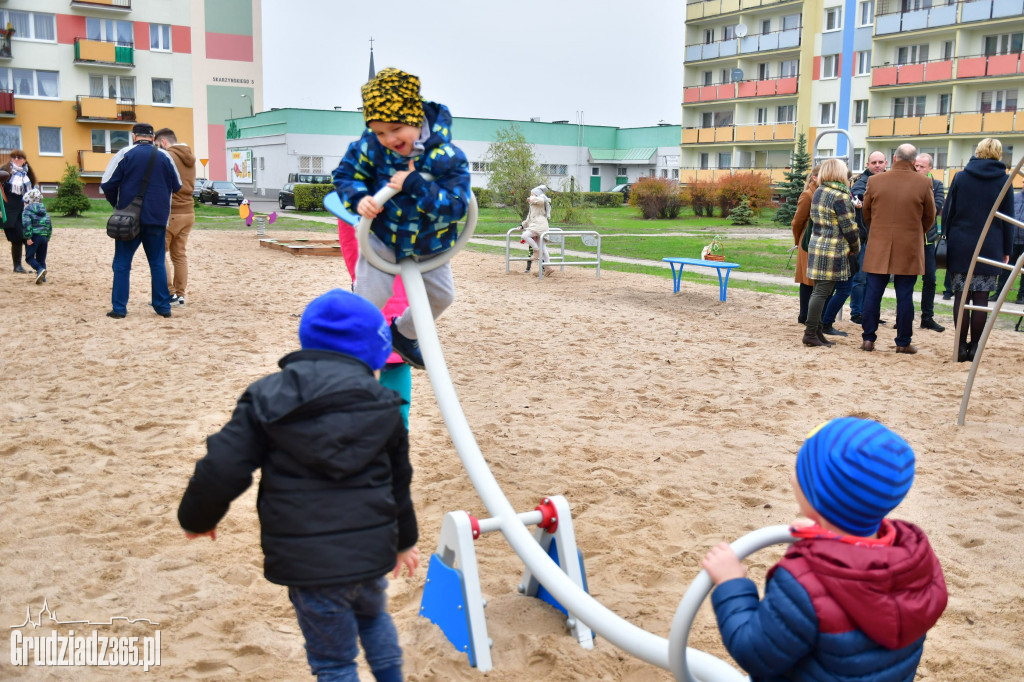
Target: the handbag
(125, 224)
(940, 252)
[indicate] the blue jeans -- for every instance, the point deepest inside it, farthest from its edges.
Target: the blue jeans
(928, 283)
(835, 304)
(904, 285)
(35, 253)
(152, 240)
(332, 618)
(857, 292)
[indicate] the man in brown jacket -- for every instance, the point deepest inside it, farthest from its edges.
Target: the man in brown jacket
(899, 209)
(183, 213)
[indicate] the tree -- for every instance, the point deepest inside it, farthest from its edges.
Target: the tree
(570, 208)
(742, 214)
(513, 168)
(793, 186)
(71, 199)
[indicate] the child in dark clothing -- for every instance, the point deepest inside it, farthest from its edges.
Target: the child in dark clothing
(37, 229)
(334, 505)
(406, 137)
(854, 597)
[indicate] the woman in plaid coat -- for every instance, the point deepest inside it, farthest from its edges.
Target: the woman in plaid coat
(834, 240)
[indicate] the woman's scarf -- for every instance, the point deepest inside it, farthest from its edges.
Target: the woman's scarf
(19, 180)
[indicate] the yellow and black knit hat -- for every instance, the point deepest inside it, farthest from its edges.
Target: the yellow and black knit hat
(393, 96)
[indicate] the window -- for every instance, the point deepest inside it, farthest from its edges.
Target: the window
(790, 21)
(912, 54)
(948, 48)
(482, 167)
(903, 107)
(675, 173)
(723, 118)
(1007, 43)
(944, 103)
(762, 115)
(1008, 155)
(997, 100)
(31, 25)
(664, 173)
(858, 159)
(724, 160)
(788, 68)
(785, 114)
(709, 36)
(729, 33)
(828, 113)
(554, 169)
(162, 91)
(311, 164)
(764, 72)
(863, 63)
(723, 76)
(833, 18)
(50, 143)
(766, 26)
(10, 137)
(707, 119)
(160, 37)
(31, 83)
(703, 161)
(109, 30)
(620, 171)
(121, 88)
(707, 78)
(595, 171)
(826, 153)
(830, 66)
(866, 15)
(109, 141)
(860, 107)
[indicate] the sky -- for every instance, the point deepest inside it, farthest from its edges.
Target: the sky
(619, 63)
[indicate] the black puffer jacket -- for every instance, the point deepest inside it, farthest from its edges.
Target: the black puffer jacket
(334, 501)
(857, 190)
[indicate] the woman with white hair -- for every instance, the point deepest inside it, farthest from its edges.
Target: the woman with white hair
(536, 224)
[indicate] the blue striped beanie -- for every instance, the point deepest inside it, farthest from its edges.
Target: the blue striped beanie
(854, 472)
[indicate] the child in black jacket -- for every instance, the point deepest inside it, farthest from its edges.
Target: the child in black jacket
(334, 505)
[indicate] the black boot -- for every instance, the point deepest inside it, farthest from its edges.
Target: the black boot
(972, 349)
(961, 352)
(16, 256)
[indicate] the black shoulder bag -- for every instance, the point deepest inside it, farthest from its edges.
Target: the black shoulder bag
(125, 224)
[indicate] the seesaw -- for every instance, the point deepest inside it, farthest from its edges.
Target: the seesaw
(554, 566)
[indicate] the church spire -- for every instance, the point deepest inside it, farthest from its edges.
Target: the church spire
(372, 71)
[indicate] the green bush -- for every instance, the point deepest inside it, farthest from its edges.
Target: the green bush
(70, 199)
(742, 215)
(311, 197)
(484, 197)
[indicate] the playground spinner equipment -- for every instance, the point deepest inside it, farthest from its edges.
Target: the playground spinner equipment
(554, 566)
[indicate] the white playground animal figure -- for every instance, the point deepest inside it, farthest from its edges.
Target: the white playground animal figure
(452, 596)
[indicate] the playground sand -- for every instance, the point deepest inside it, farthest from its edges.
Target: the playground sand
(669, 422)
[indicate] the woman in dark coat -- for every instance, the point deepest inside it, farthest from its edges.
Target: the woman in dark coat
(968, 202)
(21, 179)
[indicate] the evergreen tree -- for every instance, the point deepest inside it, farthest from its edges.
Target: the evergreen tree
(71, 199)
(793, 186)
(513, 168)
(742, 214)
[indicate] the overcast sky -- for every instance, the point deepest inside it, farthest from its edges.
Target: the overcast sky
(620, 63)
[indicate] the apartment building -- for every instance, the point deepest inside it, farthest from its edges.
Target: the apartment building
(75, 76)
(940, 74)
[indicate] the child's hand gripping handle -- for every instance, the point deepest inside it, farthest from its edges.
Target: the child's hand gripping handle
(382, 197)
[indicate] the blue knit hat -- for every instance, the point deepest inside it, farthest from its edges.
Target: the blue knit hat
(346, 323)
(854, 472)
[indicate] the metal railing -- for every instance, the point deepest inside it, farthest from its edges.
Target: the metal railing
(6, 102)
(116, 52)
(105, 108)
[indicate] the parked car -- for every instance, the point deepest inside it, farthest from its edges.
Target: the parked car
(286, 197)
(219, 191)
(200, 184)
(624, 188)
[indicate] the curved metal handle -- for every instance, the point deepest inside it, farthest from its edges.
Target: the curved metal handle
(363, 236)
(700, 588)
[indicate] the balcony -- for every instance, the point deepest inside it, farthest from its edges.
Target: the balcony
(6, 103)
(92, 109)
(740, 89)
(751, 44)
(890, 21)
(958, 123)
(700, 9)
(5, 46)
(948, 69)
(770, 132)
(908, 126)
(974, 123)
(104, 53)
(92, 164)
(119, 6)
(690, 175)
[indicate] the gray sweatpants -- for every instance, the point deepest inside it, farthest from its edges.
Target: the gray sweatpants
(377, 286)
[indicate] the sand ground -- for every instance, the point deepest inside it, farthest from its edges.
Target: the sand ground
(668, 421)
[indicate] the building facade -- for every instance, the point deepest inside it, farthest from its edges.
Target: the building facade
(940, 74)
(281, 142)
(75, 76)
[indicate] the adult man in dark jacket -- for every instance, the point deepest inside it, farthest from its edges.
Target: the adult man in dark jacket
(923, 164)
(876, 165)
(121, 183)
(899, 208)
(1018, 248)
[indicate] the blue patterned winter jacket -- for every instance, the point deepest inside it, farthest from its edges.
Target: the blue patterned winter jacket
(422, 219)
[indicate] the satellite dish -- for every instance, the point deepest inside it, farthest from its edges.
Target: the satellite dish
(736, 75)
(741, 30)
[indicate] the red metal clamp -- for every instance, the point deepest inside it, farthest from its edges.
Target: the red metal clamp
(549, 522)
(474, 523)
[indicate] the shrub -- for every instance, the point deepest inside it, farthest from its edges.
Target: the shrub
(755, 186)
(484, 197)
(311, 197)
(656, 197)
(70, 199)
(742, 215)
(701, 196)
(571, 207)
(793, 186)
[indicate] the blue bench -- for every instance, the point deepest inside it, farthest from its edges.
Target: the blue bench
(677, 273)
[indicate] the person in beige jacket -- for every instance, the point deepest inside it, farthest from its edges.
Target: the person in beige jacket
(536, 224)
(183, 213)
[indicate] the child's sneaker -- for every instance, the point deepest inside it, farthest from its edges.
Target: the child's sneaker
(180, 300)
(41, 276)
(407, 349)
(174, 298)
